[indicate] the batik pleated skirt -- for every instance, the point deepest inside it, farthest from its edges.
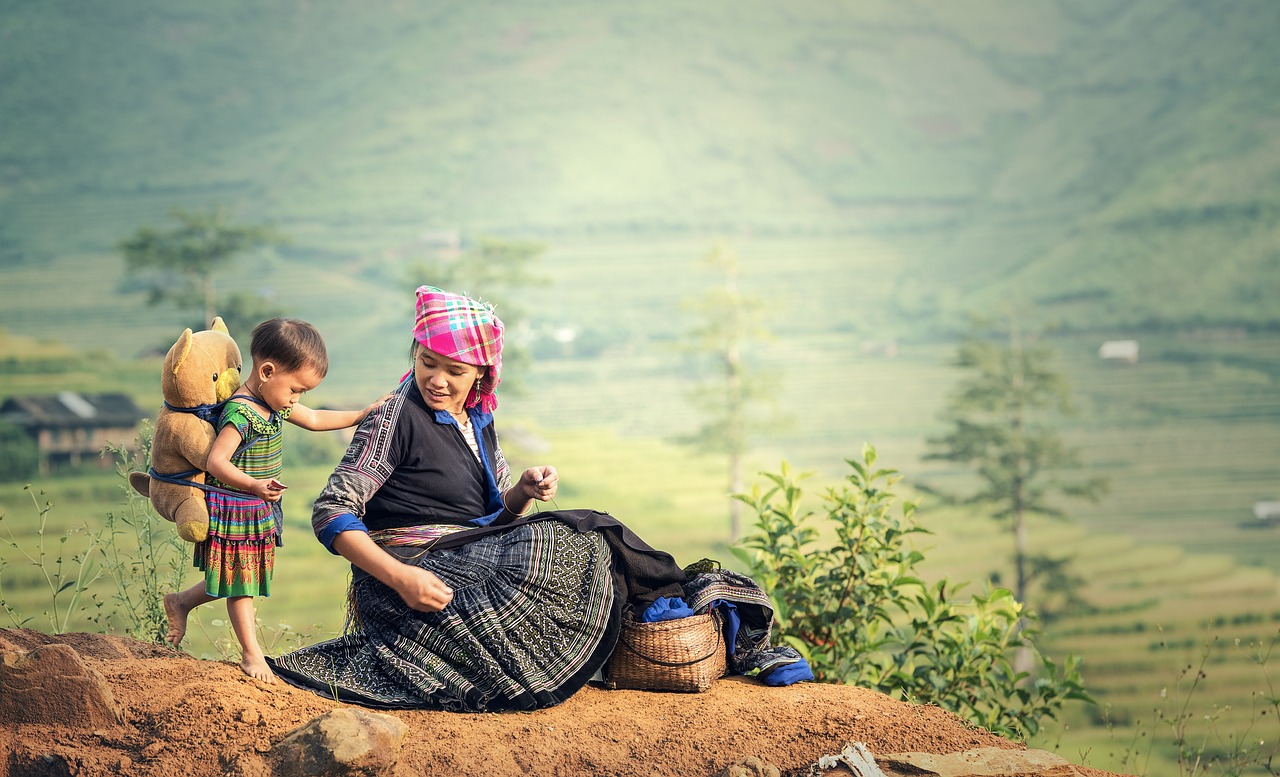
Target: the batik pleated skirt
(238, 558)
(533, 617)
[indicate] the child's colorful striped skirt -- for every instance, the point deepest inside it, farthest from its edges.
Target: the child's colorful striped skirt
(238, 557)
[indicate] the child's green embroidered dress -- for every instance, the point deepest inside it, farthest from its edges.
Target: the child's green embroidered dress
(238, 558)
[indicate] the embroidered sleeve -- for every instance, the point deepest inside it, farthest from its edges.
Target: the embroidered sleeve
(248, 423)
(365, 466)
(234, 414)
(502, 471)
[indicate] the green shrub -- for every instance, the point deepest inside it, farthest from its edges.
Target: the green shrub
(19, 457)
(859, 614)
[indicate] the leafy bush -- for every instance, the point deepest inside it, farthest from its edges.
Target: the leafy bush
(19, 457)
(859, 614)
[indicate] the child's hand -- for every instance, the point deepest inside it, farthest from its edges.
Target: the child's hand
(269, 490)
(374, 406)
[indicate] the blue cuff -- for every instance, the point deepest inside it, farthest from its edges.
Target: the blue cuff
(340, 523)
(485, 520)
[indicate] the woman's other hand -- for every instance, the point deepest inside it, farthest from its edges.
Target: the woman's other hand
(422, 590)
(539, 483)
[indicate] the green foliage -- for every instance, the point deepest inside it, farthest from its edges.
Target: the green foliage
(1111, 164)
(725, 324)
(140, 552)
(242, 312)
(728, 323)
(860, 614)
(65, 574)
(179, 264)
(1200, 740)
(19, 456)
(304, 448)
(997, 429)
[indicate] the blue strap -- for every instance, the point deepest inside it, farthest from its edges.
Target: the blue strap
(184, 479)
(207, 413)
(257, 401)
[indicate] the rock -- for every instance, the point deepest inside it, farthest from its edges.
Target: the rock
(982, 762)
(52, 685)
(248, 765)
(344, 741)
(749, 766)
(25, 763)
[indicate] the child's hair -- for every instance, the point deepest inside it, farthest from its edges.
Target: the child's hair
(291, 343)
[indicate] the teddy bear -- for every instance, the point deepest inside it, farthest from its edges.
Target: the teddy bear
(201, 370)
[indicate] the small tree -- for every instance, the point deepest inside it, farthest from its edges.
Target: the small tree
(998, 428)
(180, 264)
(857, 611)
(19, 456)
(728, 321)
(997, 416)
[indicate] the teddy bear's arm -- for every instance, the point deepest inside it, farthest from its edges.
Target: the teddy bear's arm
(193, 441)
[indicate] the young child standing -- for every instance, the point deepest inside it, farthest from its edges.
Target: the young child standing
(238, 557)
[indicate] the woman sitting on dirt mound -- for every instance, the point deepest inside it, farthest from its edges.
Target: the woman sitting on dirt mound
(458, 601)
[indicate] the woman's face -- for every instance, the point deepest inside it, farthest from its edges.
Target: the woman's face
(445, 384)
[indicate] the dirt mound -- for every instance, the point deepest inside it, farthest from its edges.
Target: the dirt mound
(184, 716)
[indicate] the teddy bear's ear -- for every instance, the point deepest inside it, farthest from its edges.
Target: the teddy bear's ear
(219, 326)
(184, 345)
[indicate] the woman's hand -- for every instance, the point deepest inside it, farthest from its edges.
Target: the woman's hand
(422, 590)
(539, 483)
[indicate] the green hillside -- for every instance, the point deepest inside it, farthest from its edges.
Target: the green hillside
(1099, 160)
(882, 169)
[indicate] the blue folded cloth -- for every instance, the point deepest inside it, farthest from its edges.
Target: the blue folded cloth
(787, 674)
(729, 614)
(666, 608)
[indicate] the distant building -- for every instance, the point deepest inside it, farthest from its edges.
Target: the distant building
(70, 428)
(885, 348)
(444, 239)
(1267, 512)
(1125, 351)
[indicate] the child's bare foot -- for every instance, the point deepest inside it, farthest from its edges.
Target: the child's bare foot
(177, 615)
(257, 669)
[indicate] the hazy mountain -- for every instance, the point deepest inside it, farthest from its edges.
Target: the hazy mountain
(1113, 162)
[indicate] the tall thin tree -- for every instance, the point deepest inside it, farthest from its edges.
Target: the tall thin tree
(999, 416)
(729, 322)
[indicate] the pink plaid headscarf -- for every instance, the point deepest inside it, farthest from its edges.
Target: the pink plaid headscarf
(464, 330)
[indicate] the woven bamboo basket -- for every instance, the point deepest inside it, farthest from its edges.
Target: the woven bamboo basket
(684, 654)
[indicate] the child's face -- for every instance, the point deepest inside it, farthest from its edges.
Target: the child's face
(284, 389)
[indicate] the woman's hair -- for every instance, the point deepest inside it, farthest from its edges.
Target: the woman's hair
(415, 346)
(291, 343)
